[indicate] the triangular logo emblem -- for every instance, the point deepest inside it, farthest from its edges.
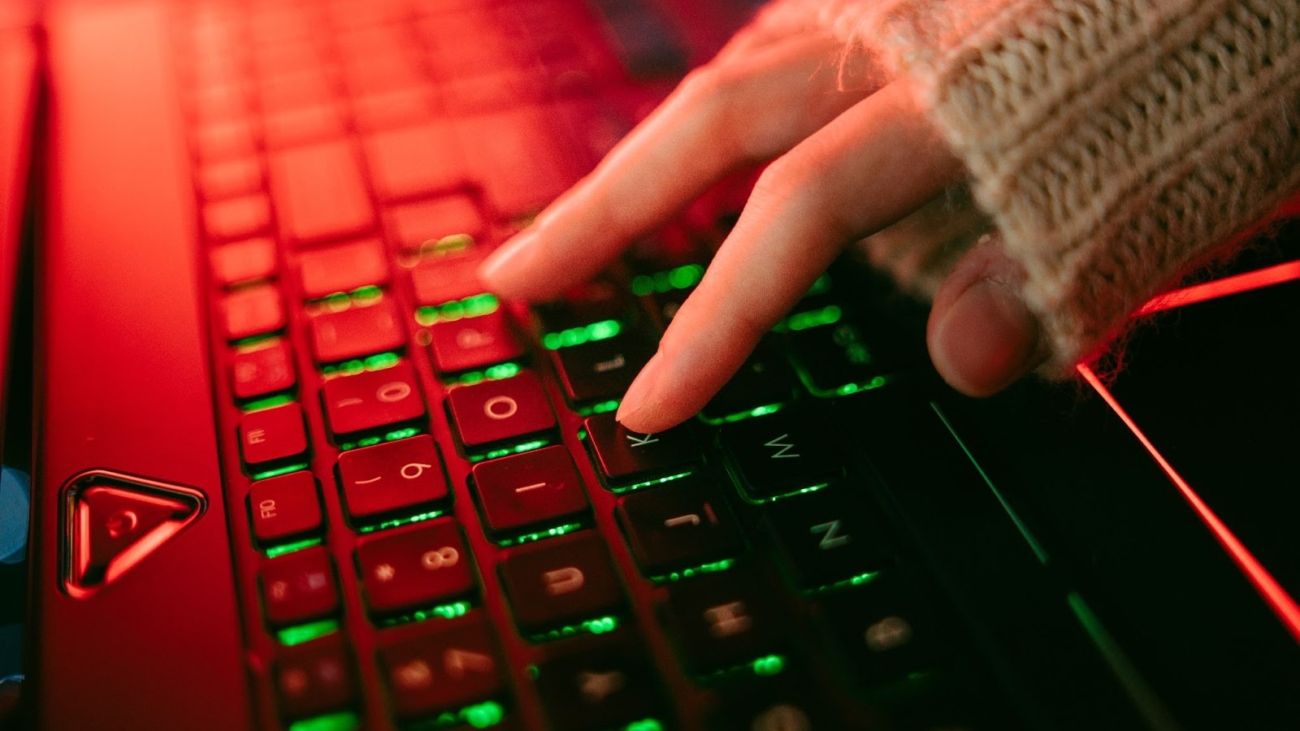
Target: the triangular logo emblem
(114, 522)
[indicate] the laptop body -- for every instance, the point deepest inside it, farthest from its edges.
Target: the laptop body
(1068, 581)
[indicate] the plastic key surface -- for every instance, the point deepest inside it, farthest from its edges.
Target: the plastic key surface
(763, 382)
(600, 370)
(315, 678)
(272, 435)
(372, 399)
(780, 454)
(822, 538)
(392, 477)
(252, 311)
(358, 331)
(299, 586)
(416, 567)
(624, 457)
(533, 488)
(562, 580)
(455, 664)
(722, 620)
(677, 525)
(243, 261)
(327, 270)
(473, 342)
(263, 369)
(491, 412)
(285, 506)
(604, 685)
(319, 193)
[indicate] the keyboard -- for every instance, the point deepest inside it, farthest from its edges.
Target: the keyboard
(437, 522)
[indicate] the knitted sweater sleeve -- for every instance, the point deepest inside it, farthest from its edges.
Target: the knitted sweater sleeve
(1112, 142)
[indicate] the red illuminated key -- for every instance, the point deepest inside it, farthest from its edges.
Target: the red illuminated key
(392, 477)
(447, 278)
(264, 369)
(560, 580)
(299, 587)
(293, 91)
(231, 178)
(495, 411)
(285, 506)
(271, 435)
(314, 678)
(392, 108)
(237, 218)
(319, 193)
(251, 311)
(301, 125)
(225, 140)
(372, 399)
(453, 666)
(417, 224)
(473, 342)
(416, 567)
(521, 155)
(326, 270)
(357, 331)
(541, 486)
(243, 261)
(415, 160)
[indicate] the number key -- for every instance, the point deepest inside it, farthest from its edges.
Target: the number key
(417, 567)
(392, 477)
(357, 331)
(372, 399)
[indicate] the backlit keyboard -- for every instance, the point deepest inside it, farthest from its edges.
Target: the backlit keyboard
(442, 524)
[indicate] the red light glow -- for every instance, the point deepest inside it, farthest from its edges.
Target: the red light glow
(1282, 604)
(1222, 287)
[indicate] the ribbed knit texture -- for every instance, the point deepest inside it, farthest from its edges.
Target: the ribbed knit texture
(1113, 143)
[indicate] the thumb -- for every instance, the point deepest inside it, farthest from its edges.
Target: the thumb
(982, 337)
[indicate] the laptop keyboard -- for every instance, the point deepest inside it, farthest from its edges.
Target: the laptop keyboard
(436, 520)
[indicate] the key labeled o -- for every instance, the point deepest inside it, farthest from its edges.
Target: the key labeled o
(500, 407)
(440, 559)
(393, 392)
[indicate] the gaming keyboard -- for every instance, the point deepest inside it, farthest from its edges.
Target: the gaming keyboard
(442, 524)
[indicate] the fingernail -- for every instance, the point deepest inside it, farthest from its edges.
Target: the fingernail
(641, 389)
(505, 257)
(987, 339)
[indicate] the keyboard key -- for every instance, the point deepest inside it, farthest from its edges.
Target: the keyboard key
(473, 342)
(823, 538)
(596, 301)
(372, 399)
(359, 330)
(243, 261)
(319, 193)
(285, 506)
(416, 567)
(392, 477)
(414, 161)
(780, 454)
(447, 278)
(723, 620)
(608, 684)
(396, 108)
(285, 92)
(677, 525)
(520, 157)
(261, 369)
(561, 580)
(832, 357)
(600, 370)
(237, 218)
(224, 140)
(783, 702)
(252, 311)
(230, 179)
(299, 587)
(413, 226)
(455, 664)
(529, 489)
(303, 125)
(272, 435)
(625, 456)
(315, 678)
(490, 412)
(327, 270)
(765, 380)
(879, 630)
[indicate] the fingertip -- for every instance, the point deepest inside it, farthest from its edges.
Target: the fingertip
(984, 339)
(505, 270)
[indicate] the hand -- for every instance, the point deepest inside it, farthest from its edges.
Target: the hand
(850, 158)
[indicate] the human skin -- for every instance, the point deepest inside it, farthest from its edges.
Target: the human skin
(848, 158)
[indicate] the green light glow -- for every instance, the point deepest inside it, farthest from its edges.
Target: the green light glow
(493, 373)
(858, 580)
(395, 522)
(442, 611)
(507, 451)
(256, 342)
(652, 483)
(782, 496)
(600, 408)
(764, 666)
(683, 277)
(708, 568)
(393, 436)
(274, 551)
(760, 411)
(352, 367)
(770, 665)
(268, 403)
(480, 715)
(645, 724)
(828, 315)
(558, 530)
(598, 626)
(821, 286)
(603, 330)
(279, 471)
(1121, 666)
(343, 721)
(307, 632)
(473, 306)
